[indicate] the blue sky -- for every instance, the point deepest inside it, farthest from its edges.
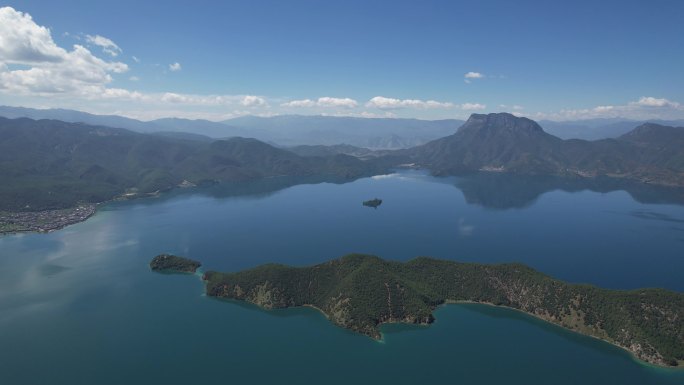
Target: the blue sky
(543, 59)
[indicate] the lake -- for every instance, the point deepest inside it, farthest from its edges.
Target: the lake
(80, 305)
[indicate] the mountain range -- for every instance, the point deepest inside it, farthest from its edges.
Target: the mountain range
(285, 130)
(595, 129)
(48, 164)
(295, 130)
(501, 142)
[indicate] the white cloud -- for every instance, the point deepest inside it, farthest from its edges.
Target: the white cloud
(252, 101)
(362, 114)
(203, 100)
(473, 75)
(175, 67)
(386, 114)
(337, 102)
(134, 78)
(107, 45)
(469, 76)
(135, 59)
(47, 68)
(603, 109)
(514, 107)
(122, 94)
(299, 103)
(23, 41)
(384, 103)
(649, 101)
(325, 102)
(646, 107)
(473, 106)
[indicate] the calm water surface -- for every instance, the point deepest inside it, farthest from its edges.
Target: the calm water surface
(80, 306)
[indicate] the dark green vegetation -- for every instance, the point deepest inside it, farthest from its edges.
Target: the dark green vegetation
(48, 164)
(650, 153)
(173, 264)
(361, 292)
(374, 203)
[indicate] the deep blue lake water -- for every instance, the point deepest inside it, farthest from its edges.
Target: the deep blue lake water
(80, 305)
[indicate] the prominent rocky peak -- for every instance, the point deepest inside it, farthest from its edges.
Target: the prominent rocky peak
(500, 122)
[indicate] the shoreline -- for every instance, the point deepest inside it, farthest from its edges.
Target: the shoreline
(632, 354)
(634, 357)
(45, 221)
(9, 218)
(8, 227)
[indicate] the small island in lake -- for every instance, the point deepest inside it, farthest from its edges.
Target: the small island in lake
(374, 203)
(362, 292)
(166, 263)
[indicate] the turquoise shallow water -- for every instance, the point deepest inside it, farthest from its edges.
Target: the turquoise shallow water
(80, 306)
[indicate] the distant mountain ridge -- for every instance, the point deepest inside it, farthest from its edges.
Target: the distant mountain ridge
(372, 133)
(596, 129)
(285, 130)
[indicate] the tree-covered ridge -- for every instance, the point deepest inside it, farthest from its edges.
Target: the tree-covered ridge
(48, 164)
(361, 292)
(173, 264)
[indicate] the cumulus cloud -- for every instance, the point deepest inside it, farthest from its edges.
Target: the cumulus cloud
(473, 75)
(469, 76)
(337, 102)
(201, 100)
(107, 45)
(646, 107)
(299, 103)
(384, 103)
(175, 67)
(513, 107)
(649, 101)
(252, 101)
(33, 66)
(23, 41)
(51, 69)
(473, 106)
(326, 102)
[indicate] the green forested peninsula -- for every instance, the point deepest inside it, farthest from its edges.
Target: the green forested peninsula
(362, 292)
